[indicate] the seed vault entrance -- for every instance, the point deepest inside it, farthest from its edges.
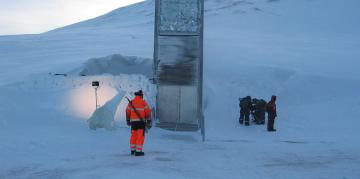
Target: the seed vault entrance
(178, 63)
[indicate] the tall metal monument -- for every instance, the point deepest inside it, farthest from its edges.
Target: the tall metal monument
(178, 63)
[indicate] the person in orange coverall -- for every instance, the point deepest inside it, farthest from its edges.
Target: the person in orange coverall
(138, 115)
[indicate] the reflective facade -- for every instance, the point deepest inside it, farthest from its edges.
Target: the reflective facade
(179, 16)
(178, 59)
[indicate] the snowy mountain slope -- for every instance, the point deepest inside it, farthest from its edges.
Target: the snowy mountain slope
(306, 52)
(272, 25)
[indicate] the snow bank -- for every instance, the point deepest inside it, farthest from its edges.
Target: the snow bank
(104, 117)
(79, 95)
(117, 64)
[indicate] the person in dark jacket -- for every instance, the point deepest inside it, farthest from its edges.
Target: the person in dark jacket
(245, 108)
(259, 110)
(271, 109)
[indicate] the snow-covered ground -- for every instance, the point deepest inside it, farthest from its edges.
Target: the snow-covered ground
(305, 52)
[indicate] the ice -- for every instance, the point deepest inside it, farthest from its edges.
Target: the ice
(104, 116)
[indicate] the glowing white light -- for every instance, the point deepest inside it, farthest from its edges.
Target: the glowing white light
(82, 100)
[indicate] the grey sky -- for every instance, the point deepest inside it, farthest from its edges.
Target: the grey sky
(36, 16)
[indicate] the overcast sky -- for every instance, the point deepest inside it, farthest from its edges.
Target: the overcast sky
(36, 16)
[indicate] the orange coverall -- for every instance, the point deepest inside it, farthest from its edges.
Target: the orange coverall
(137, 125)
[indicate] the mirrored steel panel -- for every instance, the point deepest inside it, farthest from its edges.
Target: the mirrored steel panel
(179, 16)
(178, 59)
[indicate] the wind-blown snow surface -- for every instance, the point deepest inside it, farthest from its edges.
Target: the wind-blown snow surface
(305, 52)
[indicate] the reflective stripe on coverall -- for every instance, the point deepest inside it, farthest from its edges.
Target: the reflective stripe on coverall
(137, 125)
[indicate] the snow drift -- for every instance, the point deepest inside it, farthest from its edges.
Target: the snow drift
(117, 64)
(104, 116)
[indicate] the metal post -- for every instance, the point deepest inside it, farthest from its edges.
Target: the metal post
(203, 128)
(96, 85)
(96, 103)
(201, 84)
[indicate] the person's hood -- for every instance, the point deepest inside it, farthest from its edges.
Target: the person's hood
(139, 93)
(273, 98)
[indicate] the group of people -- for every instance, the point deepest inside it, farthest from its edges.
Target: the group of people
(138, 116)
(257, 108)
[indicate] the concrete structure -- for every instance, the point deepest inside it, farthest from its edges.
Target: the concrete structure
(178, 63)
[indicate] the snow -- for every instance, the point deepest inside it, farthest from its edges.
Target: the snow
(117, 64)
(305, 52)
(104, 116)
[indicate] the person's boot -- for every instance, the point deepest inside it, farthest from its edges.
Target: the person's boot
(241, 121)
(133, 152)
(139, 153)
(247, 120)
(272, 130)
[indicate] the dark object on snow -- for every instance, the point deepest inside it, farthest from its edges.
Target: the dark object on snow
(95, 84)
(139, 153)
(139, 93)
(271, 109)
(245, 108)
(258, 110)
(60, 74)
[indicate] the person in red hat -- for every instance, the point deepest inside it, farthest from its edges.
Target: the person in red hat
(138, 117)
(271, 109)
